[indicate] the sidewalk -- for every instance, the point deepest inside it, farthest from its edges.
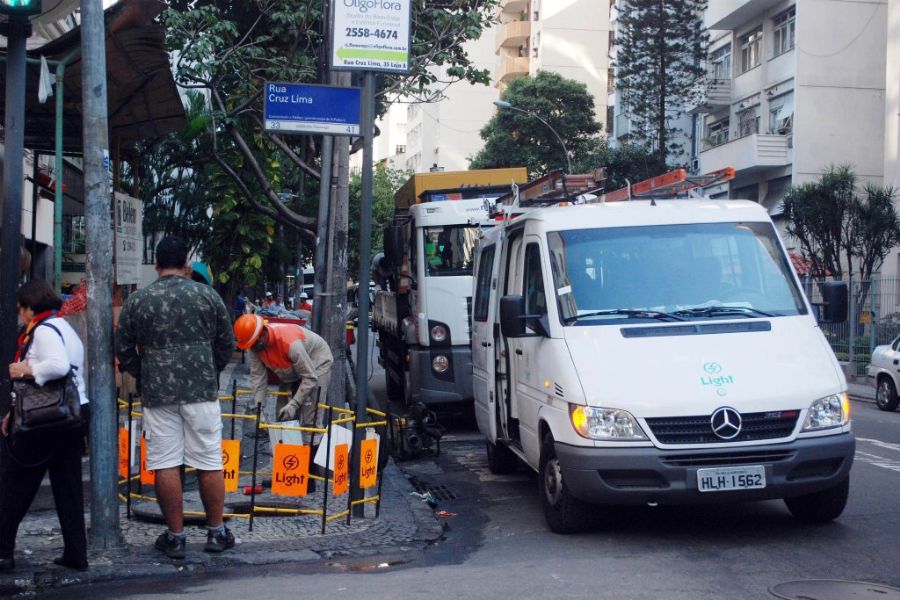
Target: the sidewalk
(404, 521)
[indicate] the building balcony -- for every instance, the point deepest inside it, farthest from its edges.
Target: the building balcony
(513, 34)
(732, 14)
(749, 154)
(513, 6)
(709, 95)
(511, 67)
(622, 126)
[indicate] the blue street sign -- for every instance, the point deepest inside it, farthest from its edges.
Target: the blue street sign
(306, 108)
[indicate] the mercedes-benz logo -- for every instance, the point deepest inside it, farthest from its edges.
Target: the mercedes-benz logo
(726, 423)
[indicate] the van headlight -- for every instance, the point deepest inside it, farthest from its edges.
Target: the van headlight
(597, 423)
(830, 411)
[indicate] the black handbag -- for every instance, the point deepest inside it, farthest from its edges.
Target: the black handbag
(54, 406)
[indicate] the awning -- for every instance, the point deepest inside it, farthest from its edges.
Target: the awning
(144, 102)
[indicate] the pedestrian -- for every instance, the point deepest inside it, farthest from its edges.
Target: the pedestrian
(300, 358)
(240, 304)
(267, 302)
(48, 349)
(277, 305)
(175, 336)
(304, 302)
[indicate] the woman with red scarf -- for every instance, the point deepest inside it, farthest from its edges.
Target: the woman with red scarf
(48, 349)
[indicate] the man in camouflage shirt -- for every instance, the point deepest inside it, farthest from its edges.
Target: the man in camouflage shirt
(175, 336)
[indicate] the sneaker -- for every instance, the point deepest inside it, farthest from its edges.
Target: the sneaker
(173, 546)
(218, 542)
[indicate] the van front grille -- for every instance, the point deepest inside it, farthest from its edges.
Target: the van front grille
(698, 430)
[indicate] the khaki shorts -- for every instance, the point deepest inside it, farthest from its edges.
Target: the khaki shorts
(189, 434)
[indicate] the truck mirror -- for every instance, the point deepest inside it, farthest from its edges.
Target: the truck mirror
(393, 247)
(834, 302)
(512, 311)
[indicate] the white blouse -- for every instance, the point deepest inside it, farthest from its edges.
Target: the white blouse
(50, 359)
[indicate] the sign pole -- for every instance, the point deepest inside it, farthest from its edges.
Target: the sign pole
(365, 246)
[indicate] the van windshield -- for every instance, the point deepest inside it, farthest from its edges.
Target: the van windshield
(695, 271)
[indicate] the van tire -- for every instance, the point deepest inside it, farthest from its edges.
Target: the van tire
(501, 460)
(564, 513)
(820, 507)
(886, 394)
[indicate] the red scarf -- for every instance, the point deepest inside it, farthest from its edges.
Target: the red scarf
(25, 336)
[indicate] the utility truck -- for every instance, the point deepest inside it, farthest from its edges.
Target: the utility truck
(421, 309)
(656, 352)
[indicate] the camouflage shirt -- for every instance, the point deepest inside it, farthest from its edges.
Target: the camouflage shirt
(175, 335)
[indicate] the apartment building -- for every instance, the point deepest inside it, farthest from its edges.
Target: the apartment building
(892, 99)
(793, 86)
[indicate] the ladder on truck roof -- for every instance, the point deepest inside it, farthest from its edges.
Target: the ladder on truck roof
(669, 185)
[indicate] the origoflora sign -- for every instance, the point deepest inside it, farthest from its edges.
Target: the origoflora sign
(371, 35)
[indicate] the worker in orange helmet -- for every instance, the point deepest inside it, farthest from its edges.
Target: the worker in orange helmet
(300, 358)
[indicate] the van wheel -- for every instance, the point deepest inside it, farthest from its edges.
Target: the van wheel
(563, 512)
(886, 394)
(820, 507)
(501, 460)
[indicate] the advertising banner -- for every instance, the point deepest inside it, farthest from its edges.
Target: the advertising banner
(371, 35)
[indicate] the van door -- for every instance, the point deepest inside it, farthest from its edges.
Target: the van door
(506, 347)
(484, 308)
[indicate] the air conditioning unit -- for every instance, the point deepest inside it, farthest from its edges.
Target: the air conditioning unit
(695, 165)
(785, 125)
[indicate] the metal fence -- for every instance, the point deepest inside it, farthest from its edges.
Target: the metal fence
(873, 320)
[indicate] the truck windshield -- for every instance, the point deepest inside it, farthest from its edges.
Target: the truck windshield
(449, 250)
(695, 271)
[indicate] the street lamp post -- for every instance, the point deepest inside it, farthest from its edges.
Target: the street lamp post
(503, 105)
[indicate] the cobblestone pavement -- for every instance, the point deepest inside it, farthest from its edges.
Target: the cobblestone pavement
(404, 523)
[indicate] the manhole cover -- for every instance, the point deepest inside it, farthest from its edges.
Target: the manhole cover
(833, 589)
(440, 492)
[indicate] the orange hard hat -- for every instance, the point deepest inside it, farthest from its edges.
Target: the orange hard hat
(247, 329)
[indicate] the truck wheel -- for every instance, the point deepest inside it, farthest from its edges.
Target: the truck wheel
(394, 389)
(820, 507)
(501, 460)
(886, 394)
(563, 512)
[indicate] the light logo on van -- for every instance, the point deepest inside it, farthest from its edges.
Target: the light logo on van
(715, 378)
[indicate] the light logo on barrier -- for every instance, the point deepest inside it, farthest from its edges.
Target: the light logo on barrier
(231, 464)
(368, 464)
(290, 470)
(147, 477)
(341, 469)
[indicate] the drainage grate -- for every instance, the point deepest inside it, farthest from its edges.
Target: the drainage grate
(440, 492)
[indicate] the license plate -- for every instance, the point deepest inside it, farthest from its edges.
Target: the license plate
(731, 478)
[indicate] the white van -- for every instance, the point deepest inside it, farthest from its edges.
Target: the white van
(657, 352)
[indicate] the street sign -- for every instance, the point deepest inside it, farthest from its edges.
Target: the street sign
(129, 239)
(371, 35)
(307, 108)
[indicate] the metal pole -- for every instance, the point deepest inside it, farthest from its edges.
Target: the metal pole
(233, 405)
(97, 205)
(327, 464)
(255, 464)
(13, 174)
(365, 246)
(58, 169)
(321, 256)
(34, 205)
(130, 426)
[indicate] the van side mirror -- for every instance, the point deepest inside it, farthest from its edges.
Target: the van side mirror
(512, 309)
(513, 318)
(834, 302)
(393, 247)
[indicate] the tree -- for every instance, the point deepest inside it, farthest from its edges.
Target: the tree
(385, 183)
(230, 48)
(514, 139)
(661, 52)
(840, 231)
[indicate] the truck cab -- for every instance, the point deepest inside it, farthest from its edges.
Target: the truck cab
(657, 352)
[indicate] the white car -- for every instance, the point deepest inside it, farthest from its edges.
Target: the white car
(885, 368)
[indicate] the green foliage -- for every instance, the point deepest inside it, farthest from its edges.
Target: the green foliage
(629, 162)
(514, 139)
(840, 231)
(661, 52)
(385, 183)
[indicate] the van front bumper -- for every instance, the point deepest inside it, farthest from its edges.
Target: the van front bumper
(650, 475)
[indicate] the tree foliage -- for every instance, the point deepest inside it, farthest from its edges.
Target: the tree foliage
(515, 139)
(839, 230)
(661, 51)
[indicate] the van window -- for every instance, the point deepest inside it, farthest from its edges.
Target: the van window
(483, 284)
(533, 282)
(671, 268)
